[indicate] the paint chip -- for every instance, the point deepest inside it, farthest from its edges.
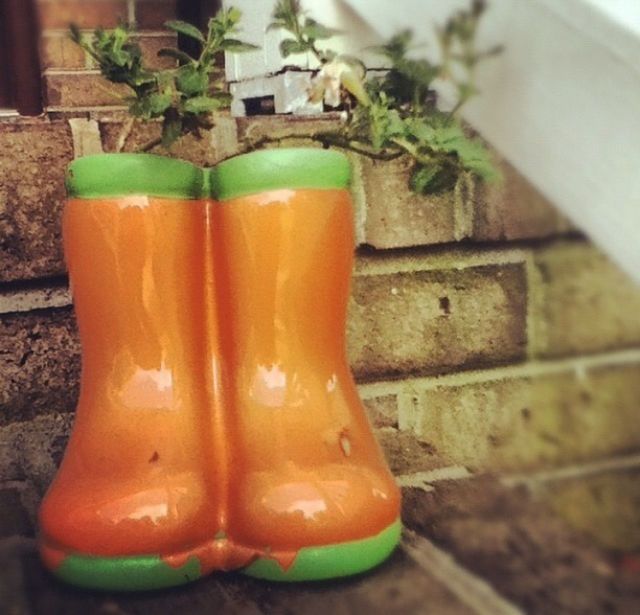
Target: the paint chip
(345, 444)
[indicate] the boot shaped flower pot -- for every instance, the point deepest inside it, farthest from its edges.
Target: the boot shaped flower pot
(218, 425)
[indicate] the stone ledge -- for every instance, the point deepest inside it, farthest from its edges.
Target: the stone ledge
(603, 506)
(529, 554)
(399, 586)
(474, 548)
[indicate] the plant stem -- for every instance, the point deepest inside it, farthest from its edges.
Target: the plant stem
(124, 134)
(301, 39)
(330, 139)
(455, 109)
(149, 145)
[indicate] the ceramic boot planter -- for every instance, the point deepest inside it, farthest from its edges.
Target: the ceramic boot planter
(137, 486)
(218, 425)
(309, 485)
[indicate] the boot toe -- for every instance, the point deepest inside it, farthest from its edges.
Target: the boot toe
(332, 504)
(115, 520)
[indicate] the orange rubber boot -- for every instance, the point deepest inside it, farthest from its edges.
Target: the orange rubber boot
(137, 501)
(309, 490)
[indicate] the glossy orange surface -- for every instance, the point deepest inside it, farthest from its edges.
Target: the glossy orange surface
(306, 469)
(139, 474)
(216, 397)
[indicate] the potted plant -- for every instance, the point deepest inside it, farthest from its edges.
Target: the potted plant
(218, 425)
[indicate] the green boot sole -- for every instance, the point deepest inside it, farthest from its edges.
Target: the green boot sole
(127, 573)
(331, 561)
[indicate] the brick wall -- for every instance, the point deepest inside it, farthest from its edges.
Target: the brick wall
(483, 330)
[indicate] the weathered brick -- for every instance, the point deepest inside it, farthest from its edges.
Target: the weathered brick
(31, 451)
(603, 506)
(513, 209)
(436, 321)
(25, 299)
(584, 303)
(254, 129)
(533, 422)
(14, 520)
(382, 411)
(152, 14)
(405, 453)
(396, 217)
(150, 45)
(33, 156)
(85, 13)
(213, 146)
(141, 134)
(83, 89)
(59, 51)
(39, 364)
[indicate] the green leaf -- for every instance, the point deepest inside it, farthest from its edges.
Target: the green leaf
(420, 129)
(192, 80)
(171, 131)
(289, 46)
(182, 27)
(233, 45)
(139, 107)
(176, 54)
(419, 73)
(422, 177)
(433, 178)
(396, 47)
(142, 79)
(353, 83)
(202, 104)
(233, 16)
(384, 123)
(395, 125)
(475, 157)
(314, 30)
(276, 24)
(159, 103)
(75, 34)
(285, 10)
(223, 97)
